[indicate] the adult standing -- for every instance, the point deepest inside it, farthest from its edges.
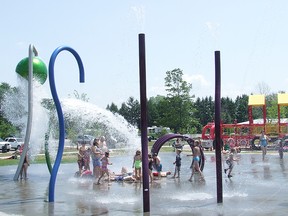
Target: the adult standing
(96, 158)
(103, 144)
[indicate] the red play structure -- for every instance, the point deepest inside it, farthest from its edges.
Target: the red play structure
(246, 134)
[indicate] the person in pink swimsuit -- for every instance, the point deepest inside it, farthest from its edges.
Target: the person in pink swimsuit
(104, 167)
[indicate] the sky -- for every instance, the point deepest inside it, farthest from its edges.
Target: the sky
(250, 35)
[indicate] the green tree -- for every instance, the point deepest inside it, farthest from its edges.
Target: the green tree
(227, 110)
(241, 108)
(272, 106)
(153, 110)
(131, 111)
(112, 108)
(178, 112)
(204, 111)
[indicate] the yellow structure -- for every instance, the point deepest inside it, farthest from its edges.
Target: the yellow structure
(283, 99)
(256, 100)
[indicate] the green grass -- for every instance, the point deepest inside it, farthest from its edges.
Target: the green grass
(40, 159)
(69, 156)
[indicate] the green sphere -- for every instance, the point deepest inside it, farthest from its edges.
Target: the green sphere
(39, 69)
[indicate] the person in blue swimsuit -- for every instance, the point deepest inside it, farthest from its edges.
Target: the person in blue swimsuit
(263, 143)
(196, 159)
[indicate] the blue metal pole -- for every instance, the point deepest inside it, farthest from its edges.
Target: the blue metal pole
(60, 113)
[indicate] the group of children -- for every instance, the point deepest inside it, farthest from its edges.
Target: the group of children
(155, 163)
(231, 152)
(100, 160)
(195, 161)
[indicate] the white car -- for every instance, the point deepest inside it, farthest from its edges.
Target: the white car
(15, 142)
(6, 144)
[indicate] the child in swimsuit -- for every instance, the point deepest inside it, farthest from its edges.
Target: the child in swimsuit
(150, 164)
(230, 162)
(24, 167)
(263, 142)
(177, 163)
(196, 160)
(123, 176)
(105, 163)
(157, 164)
(80, 161)
(86, 159)
(137, 164)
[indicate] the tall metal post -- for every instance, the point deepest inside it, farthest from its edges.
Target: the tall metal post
(144, 138)
(32, 52)
(218, 127)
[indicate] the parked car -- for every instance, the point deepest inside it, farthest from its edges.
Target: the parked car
(86, 139)
(4, 146)
(15, 142)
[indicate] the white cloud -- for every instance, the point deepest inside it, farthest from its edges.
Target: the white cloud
(212, 27)
(156, 90)
(196, 80)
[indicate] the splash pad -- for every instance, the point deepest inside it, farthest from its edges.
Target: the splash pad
(256, 188)
(167, 196)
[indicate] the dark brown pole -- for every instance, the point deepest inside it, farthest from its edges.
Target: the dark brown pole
(144, 138)
(218, 127)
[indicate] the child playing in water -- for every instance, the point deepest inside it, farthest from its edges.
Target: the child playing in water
(105, 163)
(177, 163)
(281, 150)
(86, 159)
(137, 164)
(263, 142)
(196, 159)
(230, 162)
(124, 176)
(24, 167)
(150, 164)
(80, 161)
(162, 173)
(157, 164)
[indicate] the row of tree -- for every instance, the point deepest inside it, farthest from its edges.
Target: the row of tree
(184, 113)
(179, 109)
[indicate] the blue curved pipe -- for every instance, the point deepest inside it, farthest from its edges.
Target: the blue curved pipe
(60, 113)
